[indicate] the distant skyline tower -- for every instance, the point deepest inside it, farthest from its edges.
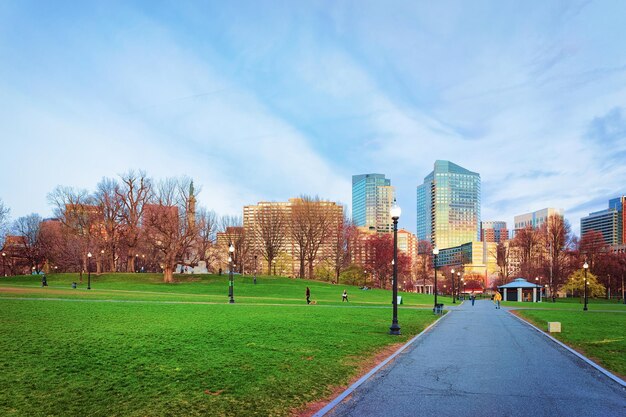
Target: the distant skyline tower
(372, 198)
(610, 222)
(535, 219)
(448, 206)
(493, 231)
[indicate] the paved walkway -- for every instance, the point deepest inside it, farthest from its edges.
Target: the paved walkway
(480, 361)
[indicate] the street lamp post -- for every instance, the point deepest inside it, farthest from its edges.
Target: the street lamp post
(585, 267)
(231, 251)
(537, 282)
(395, 215)
(453, 295)
(89, 270)
(435, 253)
(255, 269)
(4, 263)
(458, 282)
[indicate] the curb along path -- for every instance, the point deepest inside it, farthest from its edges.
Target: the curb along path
(480, 361)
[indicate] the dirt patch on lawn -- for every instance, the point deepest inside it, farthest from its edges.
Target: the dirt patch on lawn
(363, 368)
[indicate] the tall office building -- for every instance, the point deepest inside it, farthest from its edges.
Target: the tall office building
(372, 198)
(493, 231)
(448, 206)
(535, 219)
(609, 222)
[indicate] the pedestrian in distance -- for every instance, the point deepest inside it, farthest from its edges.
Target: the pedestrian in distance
(497, 298)
(308, 295)
(473, 298)
(44, 281)
(344, 296)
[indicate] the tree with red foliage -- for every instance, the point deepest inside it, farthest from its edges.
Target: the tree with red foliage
(379, 255)
(591, 246)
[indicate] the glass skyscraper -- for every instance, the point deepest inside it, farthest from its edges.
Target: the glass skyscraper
(372, 197)
(448, 206)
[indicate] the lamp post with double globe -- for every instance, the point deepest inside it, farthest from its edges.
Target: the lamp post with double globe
(231, 252)
(395, 215)
(585, 267)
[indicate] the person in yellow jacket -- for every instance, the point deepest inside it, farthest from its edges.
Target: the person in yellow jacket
(497, 298)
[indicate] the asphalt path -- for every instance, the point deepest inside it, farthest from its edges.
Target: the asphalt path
(480, 361)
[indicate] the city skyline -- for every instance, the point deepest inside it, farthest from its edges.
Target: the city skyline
(265, 105)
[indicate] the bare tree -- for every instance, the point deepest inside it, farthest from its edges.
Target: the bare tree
(232, 227)
(556, 235)
(503, 262)
(4, 216)
(206, 224)
(271, 228)
(110, 205)
(135, 192)
(167, 230)
(340, 253)
(528, 243)
(28, 228)
(424, 262)
(76, 210)
(314, 224)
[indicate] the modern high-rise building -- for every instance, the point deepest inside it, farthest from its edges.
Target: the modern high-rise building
(448, 206)
(609, 222)
(372, 198)
(493, 231)
(535, 219)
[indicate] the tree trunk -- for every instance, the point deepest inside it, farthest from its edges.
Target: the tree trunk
(130, 264)
(168, 274)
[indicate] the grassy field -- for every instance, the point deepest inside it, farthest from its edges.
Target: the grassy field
(599, 335)
(594, 304)
(207, 288)
(135, 346)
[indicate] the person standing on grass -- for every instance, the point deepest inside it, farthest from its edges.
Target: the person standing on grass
(497, 298)
(308, 295)
(44, 281)
(344, 296)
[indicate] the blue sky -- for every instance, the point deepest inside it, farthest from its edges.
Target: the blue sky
(269, 100)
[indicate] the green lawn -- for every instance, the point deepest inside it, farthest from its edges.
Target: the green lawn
(598, 335)
(207, 288)
(268, 354)
(570, 304)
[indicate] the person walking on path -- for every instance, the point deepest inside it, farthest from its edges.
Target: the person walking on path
(308, 295)
(497, 298)
(473, 299)
(344, 296)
